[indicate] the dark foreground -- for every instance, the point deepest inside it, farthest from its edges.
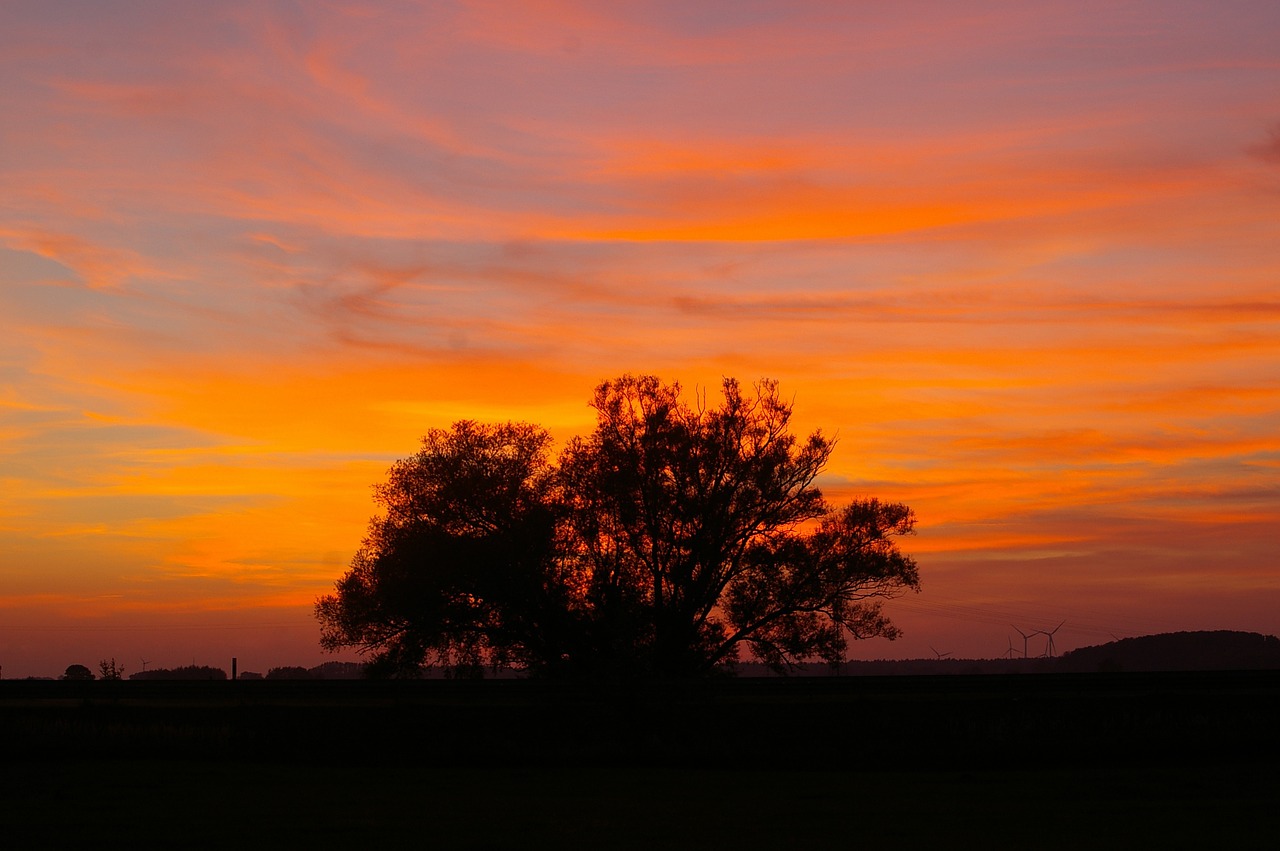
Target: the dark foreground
(1018, 761)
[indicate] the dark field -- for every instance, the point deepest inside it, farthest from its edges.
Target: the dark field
(1018, 761)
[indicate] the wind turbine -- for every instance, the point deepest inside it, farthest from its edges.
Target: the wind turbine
(1008, 654)
(1050, 649)
(939, 655)
(1025, 636)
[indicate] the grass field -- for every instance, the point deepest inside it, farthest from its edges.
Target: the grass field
(228, 804)
(1091, 762)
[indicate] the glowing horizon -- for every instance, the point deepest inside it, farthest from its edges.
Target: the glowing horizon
(1020, 257)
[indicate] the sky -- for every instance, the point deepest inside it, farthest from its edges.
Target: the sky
(1022, 258)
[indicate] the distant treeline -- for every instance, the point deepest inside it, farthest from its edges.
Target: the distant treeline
(1217, 650)
(186, 672)
(326, 671)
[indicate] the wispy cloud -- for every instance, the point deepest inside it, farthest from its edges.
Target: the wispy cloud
(1020, 258)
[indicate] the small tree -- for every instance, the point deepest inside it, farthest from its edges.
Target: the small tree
(109, 670)
(77, 672)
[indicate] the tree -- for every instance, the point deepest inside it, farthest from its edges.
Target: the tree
(695, 522)
(461, 570)
(109, 670)
(657, 545)
(77, 672)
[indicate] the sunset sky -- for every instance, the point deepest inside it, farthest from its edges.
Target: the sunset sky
(1022, 258)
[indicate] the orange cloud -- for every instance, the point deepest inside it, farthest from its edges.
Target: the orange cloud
(253, 254)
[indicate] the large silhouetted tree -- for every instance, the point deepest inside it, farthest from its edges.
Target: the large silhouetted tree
(657, 545)
(463, 569)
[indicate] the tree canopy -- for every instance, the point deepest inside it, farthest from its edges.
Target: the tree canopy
(78, 672)
(186, 672)
(660, 544)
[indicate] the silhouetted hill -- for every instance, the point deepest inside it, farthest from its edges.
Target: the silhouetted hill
(1218, 650)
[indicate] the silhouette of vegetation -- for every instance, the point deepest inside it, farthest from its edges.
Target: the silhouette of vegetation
(660, 544)
(77, 672)
(323, 671)
(1179, 651)
(337, 671)
(463, 568)
(186, 672)
(109, 670)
